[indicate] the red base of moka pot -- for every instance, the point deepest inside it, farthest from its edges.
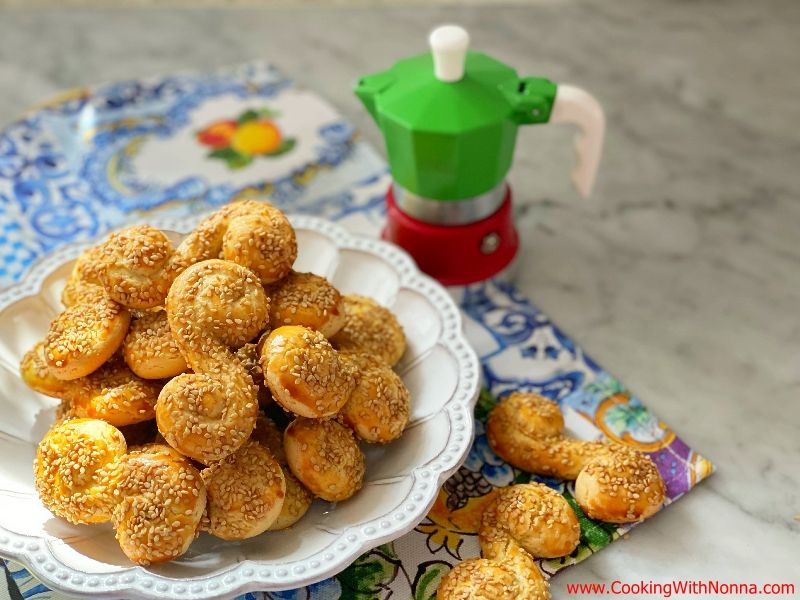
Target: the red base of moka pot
(455, 254)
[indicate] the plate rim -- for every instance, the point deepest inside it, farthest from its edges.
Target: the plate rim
(251, 575)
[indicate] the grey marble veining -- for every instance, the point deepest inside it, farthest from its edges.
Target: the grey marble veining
(681, 275)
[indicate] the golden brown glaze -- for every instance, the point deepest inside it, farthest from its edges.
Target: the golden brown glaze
(161, 499)
(85, 336)
(617, 484)
(308, 300)
(138, 265)
(249, 233)
(620, 487)
(115, 395)
(371, 329)
(295, 505)
(212, 307)
(378, 409)
(522, 522)
(77, 468)
(325, 457)
(361, 362)
(84, 284)
(150, 349)
(304, 373)
(246, 492)
(298, 498)
(112, 393)
(36, 373)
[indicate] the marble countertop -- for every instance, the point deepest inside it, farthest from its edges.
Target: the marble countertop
(681, 275)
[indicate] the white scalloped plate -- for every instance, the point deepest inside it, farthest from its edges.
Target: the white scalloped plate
(439, 367)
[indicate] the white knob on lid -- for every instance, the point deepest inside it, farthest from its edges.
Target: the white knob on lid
(449, 47)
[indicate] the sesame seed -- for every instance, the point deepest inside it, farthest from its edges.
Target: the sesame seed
(332, 466)
(246, 491)
(370, 328)
(527, 430)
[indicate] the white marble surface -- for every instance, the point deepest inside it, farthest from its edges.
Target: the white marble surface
(681, 275)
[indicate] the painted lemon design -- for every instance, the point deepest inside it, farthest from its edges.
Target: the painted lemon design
(256, 137)
(251, 136)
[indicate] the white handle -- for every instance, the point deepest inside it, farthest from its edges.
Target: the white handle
(577, 106)
(449, 47)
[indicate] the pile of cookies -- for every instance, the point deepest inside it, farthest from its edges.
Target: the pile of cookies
(613, 483)
(208, 386)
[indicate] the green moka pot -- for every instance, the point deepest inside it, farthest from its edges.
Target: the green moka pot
(449, 119)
